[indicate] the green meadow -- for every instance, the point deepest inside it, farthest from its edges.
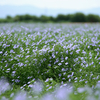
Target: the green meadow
(46, 61)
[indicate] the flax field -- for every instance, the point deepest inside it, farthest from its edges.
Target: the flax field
(50, 61)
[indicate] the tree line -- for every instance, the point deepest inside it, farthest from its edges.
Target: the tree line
(77, 17)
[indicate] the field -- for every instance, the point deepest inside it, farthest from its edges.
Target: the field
(50, 61)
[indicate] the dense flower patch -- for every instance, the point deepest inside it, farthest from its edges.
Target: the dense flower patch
(42, 59)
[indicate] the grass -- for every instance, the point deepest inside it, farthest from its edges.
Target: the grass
(49, 61)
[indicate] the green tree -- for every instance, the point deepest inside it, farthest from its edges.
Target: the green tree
(52, 19)
(35, 18)
(9, 19)
(69, 17)
(93, 18)
(79, 17)
(27, 17)
(3, 21)
(18, 18)
(44, 18)
(61, 18)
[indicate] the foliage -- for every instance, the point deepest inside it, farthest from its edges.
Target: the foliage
(77, 17)
(56, 61)
(93, 18)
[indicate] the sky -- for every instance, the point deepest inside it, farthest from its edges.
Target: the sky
(56, 4)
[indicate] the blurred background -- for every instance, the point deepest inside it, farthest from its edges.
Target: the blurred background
(50, 10)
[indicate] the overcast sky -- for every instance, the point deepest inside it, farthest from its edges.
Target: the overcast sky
(66, 4)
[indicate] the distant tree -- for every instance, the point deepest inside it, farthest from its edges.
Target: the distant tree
(22, 18)
(8, 17)
(60, 18)
(69, 17)
(93, 18)
(18, 18)
(44, 18)
(79, 17)
(35, 18)
(3, 21)
(52, 19)
(27, 17)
